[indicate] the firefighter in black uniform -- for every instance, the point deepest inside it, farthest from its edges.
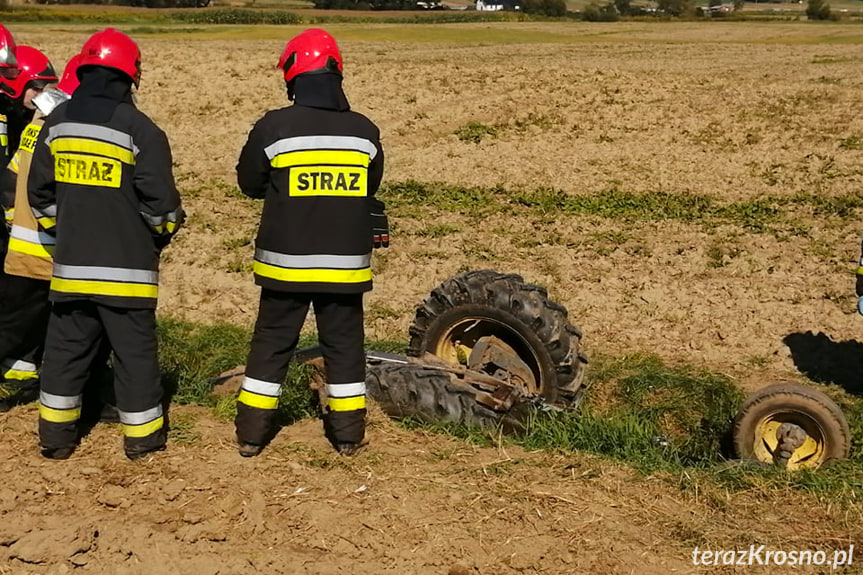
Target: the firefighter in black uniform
(317, 165)
(24, 305)
(101, 179)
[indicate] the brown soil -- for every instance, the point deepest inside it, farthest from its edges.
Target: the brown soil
(731, 111)
(410, 503)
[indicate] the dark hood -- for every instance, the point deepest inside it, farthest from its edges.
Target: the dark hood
(319, 91)
(101, 91)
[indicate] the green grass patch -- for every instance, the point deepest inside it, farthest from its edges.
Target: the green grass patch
(475, 132)
(759, 215)
(643, 412)
(192, 355)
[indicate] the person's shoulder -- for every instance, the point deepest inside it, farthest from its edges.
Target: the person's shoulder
(365, 123)
(277, 115)
(141, 127)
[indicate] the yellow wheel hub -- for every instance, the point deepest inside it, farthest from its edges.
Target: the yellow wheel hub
(809, 455)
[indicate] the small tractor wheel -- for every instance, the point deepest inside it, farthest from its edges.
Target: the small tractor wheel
(466, 311)
(791, 425)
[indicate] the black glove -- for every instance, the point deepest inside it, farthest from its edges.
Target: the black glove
(380, 223)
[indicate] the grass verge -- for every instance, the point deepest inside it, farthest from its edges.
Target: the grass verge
(674, 421)
(763, 214)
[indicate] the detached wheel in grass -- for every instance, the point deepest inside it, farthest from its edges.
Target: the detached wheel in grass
(408, 391)
(791, 425)
(478, 305)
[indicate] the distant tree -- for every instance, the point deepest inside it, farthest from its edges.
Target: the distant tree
(817, 10)
(738, 5)
(715, 3)
(600, 13)
(624, 7)
(677, 7)
(554, 8)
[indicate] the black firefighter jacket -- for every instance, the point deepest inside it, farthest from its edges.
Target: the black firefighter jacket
(107, 191)
(317, 170)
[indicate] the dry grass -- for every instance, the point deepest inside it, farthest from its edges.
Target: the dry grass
(731, 112)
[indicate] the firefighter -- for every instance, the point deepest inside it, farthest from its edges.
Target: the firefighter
(317, 165)
(8, 71)
(101, 181)
(23, 302)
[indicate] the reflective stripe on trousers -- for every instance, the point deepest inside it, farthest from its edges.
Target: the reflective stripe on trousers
(142, 423)
(59, 408)
(346, 396)
(260, 394)
(19, 370)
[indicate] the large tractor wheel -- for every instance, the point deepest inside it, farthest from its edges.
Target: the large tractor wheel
(791, 425)
(430, 395)
(513, 325)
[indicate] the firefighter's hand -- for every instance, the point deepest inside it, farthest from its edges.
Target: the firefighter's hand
(380, 224)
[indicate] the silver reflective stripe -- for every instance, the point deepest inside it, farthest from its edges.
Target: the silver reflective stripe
(18, 365)
(262, 387)
(59, 401)
(301, 143)
(106, 274)
(346, 389)
(157, 220)
(2, 127)
(49, 212)
(75, 130)
(32, 236)
(313, 261)
(140, 417)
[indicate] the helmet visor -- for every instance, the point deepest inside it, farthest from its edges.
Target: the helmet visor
(9, 72)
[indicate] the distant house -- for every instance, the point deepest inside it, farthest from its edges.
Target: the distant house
(497, 5)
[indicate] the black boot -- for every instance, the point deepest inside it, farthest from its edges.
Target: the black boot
(14, 393)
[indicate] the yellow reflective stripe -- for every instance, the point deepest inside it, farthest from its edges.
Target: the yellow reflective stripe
(144, 429)
(91, 287)
(20, 375)
(83, 145)
(38, 250)
(320, 157)
(59, 415)
(346, 403)
(257, 400)
(170, 227)
(47, 223)
(9, 214)
(13, 163)
(313, 275)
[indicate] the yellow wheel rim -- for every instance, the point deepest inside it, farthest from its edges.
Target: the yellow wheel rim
(457, 343)
(807, 456)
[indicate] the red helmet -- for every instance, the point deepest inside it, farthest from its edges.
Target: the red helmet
(112, 49)
(35, 71)
(7, 49)
(312, 51)
(69, 81)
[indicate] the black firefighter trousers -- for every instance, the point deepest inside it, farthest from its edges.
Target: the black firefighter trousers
(75, 332)
(24, 312)
(340, 330)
